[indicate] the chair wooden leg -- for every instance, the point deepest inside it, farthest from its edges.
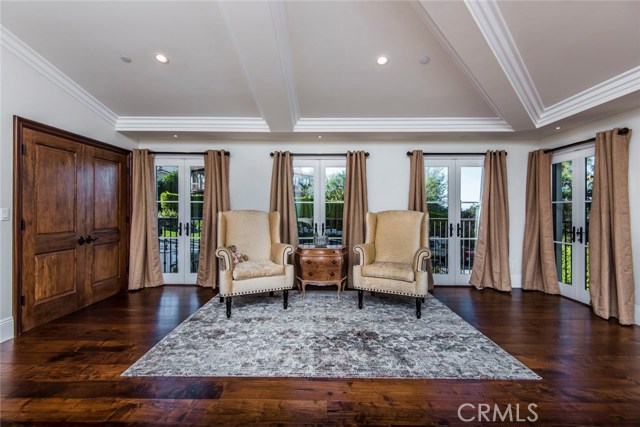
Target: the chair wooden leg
(228, 299)
(423, 300)
(221, 299)
(271, 293)
(360, 295)
(373, 294)
(418, 307)
(285, 298)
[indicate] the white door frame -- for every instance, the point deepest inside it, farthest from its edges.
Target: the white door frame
(453, 277)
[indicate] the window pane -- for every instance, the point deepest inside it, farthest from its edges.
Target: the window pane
(589, 164)
(470, 183)
(562, 222)
(169, 255)
(563, 262)
(562, 181)
(166, 180)
(304, 187)
(437, 189)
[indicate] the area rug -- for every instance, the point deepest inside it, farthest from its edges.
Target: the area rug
(323, 337)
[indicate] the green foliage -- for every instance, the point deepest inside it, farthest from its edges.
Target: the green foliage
(168, 183)
(168, 205)
(335, 187)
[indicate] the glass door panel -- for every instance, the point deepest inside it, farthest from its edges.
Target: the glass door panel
(333, 179)
(167, 194)
(470, 197)
(438, 206)
(304, 188)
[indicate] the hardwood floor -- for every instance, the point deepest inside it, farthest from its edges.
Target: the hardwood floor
(67, 372)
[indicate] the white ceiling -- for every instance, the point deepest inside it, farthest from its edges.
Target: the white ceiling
(293, 70)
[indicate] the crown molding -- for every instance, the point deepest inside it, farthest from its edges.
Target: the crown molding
(440, 124)
(491, 23)
(279, 19)
(620, 85)
(440, 37)
(191, 124)
(26, 54)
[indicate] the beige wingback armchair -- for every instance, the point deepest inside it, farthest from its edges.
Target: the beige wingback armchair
(257, 235)
(394, 256)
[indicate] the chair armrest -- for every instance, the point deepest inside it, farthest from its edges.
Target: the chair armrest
(419, 259)
(366, 253)
(224, 254)
(280, 253)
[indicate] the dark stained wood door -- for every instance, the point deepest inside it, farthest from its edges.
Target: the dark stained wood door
(106, 200)
(74, 242)
(53, 214)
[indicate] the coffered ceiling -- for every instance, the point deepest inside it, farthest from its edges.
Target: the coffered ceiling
(296, 69)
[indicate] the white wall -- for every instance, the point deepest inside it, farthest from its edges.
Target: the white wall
(27, 93)
(630, 119)
(387, 173)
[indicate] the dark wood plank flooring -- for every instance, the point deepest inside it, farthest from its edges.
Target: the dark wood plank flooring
(67, 372)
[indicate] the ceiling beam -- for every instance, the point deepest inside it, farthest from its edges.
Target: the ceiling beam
(468, 47)
(261, 38)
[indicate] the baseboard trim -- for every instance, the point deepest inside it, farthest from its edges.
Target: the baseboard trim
(6, 329)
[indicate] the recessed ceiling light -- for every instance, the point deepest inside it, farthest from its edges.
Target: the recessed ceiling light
(125, 58)
(161, 58)
(382, 59)
(557, 127)
(425, 60)
(175, 136)
(319, 136)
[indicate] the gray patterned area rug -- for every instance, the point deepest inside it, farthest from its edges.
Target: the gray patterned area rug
(323, 337)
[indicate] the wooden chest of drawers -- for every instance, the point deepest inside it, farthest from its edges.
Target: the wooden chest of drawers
(321, 266)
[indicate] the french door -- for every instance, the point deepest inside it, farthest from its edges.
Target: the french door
(454, 192)
(571, 191)
(179, 195)
(319, 198)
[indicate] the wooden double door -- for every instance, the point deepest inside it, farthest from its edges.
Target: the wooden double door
(73, 230)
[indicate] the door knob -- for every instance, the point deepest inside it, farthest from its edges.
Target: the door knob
(81, 241)
(90, 239)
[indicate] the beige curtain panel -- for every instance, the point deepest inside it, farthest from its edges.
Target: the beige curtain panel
(282, 196)
(610, 259)
(144, 251)
(216, 199)
(491, 264)
(356, 206)
(538, 258)
(418, 196)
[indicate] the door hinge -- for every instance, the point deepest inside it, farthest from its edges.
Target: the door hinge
(22, 300)
(23, 224)
(24, 149)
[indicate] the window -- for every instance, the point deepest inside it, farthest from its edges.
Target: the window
(319, 198)
(571, 192)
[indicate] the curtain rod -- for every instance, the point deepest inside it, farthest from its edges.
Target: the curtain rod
(319, 154)
(622, 131)
(183, 153)
(409, 153)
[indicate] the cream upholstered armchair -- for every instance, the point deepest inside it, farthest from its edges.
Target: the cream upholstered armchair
(394, 255)
(257, 235)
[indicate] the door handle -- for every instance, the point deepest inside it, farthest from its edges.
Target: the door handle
(580, 235)
(90, 239)
(81, 241)
(573, 234)
(450, 230)
(459, 229)
(179, 229)
(186, 228)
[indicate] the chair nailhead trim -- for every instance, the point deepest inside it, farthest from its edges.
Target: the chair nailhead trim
(254, 292)
(389, 292)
